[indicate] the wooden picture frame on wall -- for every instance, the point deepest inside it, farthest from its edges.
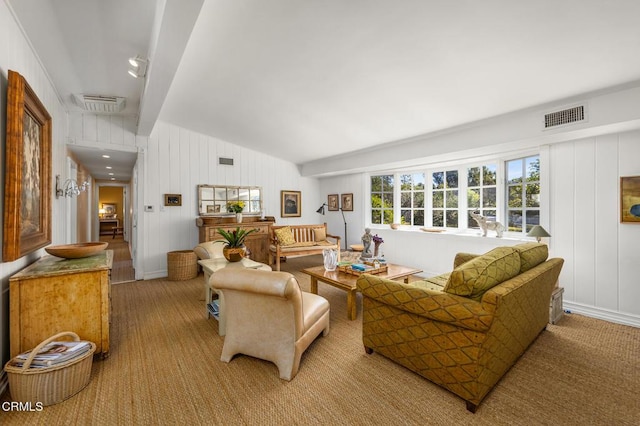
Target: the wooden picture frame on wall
(630, 199)
(172, 200)
(347, 202)
(333, 202)
(27, 189)
(290, 203)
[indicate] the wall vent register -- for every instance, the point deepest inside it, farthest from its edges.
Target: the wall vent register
(566, 116)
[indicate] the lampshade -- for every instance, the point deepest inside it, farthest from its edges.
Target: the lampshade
(321, 209)
(538, 232)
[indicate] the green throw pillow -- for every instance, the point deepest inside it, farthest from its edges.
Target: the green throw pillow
(473, 278)
(285, 236)
(531, 254)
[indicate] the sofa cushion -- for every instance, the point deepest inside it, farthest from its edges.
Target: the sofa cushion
(436, 283)
(319, 234)
(473, 278)
(531, 254)
(285, 236)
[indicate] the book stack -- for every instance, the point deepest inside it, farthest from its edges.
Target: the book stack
(214, 308)
(53, 353)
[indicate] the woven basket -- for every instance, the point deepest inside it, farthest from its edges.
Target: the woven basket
(50, 385)
(182, 265)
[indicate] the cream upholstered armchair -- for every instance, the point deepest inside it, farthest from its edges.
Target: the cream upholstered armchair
(269, 317)
(209, 250)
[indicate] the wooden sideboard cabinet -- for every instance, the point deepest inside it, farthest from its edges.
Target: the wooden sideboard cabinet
(257, 242)
(53, 295)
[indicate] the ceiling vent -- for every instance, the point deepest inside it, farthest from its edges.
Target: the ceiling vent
(566, 116)
(100, 104)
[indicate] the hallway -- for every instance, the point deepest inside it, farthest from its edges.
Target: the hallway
(122, 270)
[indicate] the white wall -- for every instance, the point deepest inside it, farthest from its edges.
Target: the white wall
(16, 54)
(177, 160)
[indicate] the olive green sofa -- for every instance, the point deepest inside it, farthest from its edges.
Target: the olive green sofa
(463, 330)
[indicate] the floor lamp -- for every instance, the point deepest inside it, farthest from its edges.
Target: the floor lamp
(345, 228)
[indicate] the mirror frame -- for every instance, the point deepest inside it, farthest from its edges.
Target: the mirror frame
(220, 202)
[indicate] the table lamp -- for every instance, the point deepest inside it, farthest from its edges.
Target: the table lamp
(538, 232)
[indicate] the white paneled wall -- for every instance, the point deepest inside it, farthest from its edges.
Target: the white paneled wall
(602, 265)
(177, 160)
(16, 55)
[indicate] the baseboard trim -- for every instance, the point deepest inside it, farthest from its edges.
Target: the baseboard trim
(603, 314)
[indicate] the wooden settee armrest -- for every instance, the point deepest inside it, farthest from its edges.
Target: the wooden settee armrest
(435, 305)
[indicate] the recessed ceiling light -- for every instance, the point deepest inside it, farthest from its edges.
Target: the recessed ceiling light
(113, 178)
(110, 174)
(106, 156)
(109, 167)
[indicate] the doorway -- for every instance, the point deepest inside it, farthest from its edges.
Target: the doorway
(113, 227)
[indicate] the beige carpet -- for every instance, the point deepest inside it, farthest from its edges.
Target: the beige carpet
(122, 270)
(164, 369)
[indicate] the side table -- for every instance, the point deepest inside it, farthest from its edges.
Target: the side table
(555, 307)
(211, 266)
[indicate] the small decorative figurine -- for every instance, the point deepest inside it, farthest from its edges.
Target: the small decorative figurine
(485, 225)
(366, 243)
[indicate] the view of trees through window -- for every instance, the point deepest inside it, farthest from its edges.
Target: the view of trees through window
(523, 193)
(382, 199)
(442, 203)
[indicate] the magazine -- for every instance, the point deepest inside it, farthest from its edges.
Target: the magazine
(54, 353)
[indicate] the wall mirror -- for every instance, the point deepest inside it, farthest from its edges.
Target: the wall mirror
(213, 199)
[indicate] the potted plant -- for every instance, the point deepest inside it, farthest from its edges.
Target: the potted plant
(236, 207)
(234, 249)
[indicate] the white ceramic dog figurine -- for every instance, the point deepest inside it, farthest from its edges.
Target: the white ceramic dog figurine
(488, 225)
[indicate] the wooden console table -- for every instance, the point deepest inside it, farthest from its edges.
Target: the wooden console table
(257, 242)
(53, 295)
(107, 225)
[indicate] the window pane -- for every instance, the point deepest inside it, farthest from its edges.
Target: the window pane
(418, 200)
(405, 217)
(376, 215)
(388, 216)
(418, 218)
(489, 197)
(533, 218)
(387, 183)
(405, 182)
(388, 200)
(489, 214)
(418, 181)
(515, 220)
(376, 201)
(452, 199)
(533, 168)
(533, 195)
(514, 171)
(489, 174)
(376, 183)
(438, 199)
(473, 176)
(452, 218)
(405, 199)
(438, 218)
(438, 180)
(515, 196)
(473, 198)
(471, 222)
(452, 179)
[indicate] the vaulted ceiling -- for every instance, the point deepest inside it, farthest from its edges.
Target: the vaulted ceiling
(305, 80)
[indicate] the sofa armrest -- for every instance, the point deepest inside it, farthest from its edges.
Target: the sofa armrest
(463, 258)
(335, 237)
(434, 305)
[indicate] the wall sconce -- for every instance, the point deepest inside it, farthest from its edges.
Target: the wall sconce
(538, 232)
(138, 66)
(70, 187)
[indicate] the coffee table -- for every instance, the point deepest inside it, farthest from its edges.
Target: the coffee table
(347, 282)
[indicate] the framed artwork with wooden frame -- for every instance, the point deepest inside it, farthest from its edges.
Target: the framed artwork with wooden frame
(332, 202)
(347, 202)
(290, 203)
(27, 189)
(172, 199)
(630, 199)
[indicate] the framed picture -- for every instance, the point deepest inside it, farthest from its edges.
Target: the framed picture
(290, 203)
(109, 210)
(172, 199)
(332, 202)
(630, 199)
(347, 202)
(27, 191)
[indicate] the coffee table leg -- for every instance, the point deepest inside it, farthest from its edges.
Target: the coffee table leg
(351, 304)
(314, 285)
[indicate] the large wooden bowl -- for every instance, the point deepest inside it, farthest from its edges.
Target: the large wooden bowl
(76, 251)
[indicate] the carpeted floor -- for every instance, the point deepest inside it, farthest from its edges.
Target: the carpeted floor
(164, 369)
(122, 270)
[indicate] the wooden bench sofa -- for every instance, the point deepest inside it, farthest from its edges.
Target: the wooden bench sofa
(299, 240)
